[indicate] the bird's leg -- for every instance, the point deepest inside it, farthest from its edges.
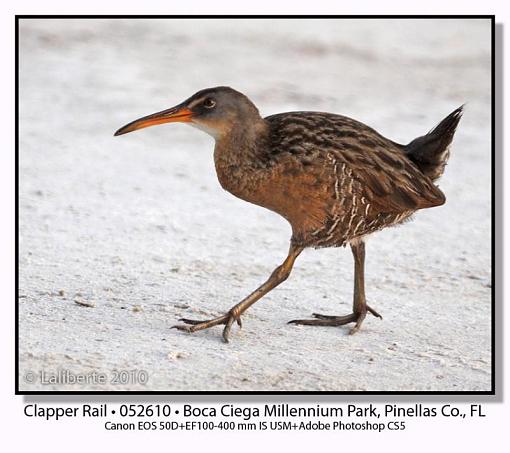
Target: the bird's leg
(359, 308)
(279, 275)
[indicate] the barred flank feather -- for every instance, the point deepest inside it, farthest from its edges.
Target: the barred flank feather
(430, 152)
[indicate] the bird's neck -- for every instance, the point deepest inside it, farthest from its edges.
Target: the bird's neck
(241, 155)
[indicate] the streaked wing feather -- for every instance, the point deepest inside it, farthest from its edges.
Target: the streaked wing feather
(386, 176)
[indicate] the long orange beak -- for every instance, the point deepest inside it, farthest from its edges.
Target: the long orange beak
(175, 114)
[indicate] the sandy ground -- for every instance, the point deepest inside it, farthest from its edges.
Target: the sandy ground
(138, 226)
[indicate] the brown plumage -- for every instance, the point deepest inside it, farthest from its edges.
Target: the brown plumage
(333, 178)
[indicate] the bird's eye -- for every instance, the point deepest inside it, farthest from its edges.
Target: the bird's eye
(209, 103)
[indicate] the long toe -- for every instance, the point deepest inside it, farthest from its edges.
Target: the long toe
(191, 321)
(371, 310)
(325, 320)
(337, 318)
(183, 328)
(328, 320)
(194, 325)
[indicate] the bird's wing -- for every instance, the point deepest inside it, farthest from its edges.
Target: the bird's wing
(381, 170)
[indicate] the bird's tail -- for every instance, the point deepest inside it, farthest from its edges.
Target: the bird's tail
(431, 151)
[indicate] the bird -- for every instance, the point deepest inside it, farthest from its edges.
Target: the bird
(334, 179)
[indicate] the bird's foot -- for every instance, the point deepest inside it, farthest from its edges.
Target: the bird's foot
(328, 320)
(227, 319)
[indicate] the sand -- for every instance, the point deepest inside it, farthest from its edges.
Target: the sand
(120, 237)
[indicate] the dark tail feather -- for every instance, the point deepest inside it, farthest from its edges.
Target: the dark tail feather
(430, 152)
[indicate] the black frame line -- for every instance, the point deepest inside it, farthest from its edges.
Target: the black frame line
(492, 18)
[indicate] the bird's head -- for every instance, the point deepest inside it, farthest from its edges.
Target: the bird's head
(214, 110)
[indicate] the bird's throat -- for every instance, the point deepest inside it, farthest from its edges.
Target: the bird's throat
(241, 158)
